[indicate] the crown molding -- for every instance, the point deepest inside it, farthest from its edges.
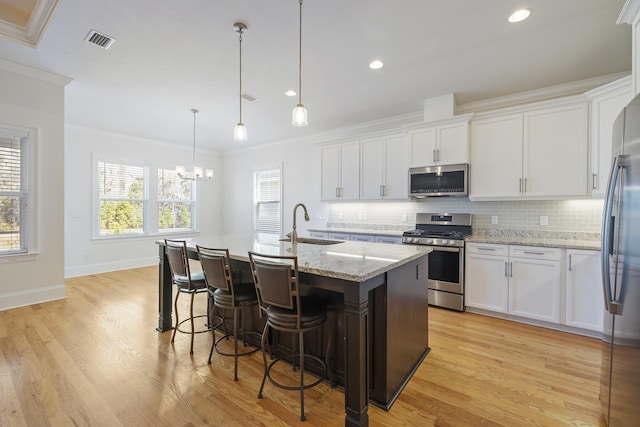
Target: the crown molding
(31, 34)
(25, 70)
(629, 12)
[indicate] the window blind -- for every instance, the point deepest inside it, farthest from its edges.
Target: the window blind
(13, 194)
(267, 215)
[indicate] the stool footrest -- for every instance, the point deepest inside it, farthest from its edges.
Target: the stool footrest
(307, 386)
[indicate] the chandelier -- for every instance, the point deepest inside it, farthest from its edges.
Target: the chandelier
(197, 173)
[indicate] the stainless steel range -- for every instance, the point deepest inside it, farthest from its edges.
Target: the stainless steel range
(446, 233)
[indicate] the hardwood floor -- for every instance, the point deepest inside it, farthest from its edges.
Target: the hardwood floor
(95, 359)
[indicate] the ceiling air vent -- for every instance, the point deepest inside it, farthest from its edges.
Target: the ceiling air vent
(248, 97)
(99, 39)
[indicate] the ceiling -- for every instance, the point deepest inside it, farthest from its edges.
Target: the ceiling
(170, 56)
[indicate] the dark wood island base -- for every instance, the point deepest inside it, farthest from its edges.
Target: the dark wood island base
(380, 326)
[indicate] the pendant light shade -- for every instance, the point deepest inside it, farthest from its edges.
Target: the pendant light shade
(240, 131)
(299, 116)
(198, 173)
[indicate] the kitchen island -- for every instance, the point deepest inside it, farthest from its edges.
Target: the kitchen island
(382, 290)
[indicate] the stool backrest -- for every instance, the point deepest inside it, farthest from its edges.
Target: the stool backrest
(176, 251)
(276, 281)
(216, 268)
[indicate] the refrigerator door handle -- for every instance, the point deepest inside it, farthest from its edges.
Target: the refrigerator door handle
(619, 162)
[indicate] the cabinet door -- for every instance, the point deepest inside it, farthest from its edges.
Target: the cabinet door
(388, 239)
(534, 289)
(340, 236)
(350, 171)
(453, 144)
(496, 157)
(371, 173)
(556, 151)
(330, 172)
(584, 300)
(605, 108)
(396, 168)
(422, 147)
(486, 283)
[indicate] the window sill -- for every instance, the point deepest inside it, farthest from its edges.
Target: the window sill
(150, 236)
(29, 256)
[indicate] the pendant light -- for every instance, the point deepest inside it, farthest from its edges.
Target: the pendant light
(300, 113)
(240, 131)
(196, 174)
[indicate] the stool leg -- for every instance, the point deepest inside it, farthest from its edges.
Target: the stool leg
(264, 358)
(175, 312)
(235, 338)
(301, 339)
(192, 325)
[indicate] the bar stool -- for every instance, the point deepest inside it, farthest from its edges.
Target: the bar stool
(186, 283)
(226, 295)
(277, 286)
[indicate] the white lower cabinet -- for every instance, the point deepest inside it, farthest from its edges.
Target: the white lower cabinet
(363, 237)
(318, 234)
(340, 236)
(396, 240)
(517, 280)
(584, 298)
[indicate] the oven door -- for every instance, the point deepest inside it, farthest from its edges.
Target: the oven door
(446, 269)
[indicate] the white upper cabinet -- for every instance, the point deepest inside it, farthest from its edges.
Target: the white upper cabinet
(340, 171)
(441, 143)
(606, 102)
(535, 153)
(384, 166)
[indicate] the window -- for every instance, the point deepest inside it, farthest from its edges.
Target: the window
(122, 197)
(267, 212)
(13, 192)
(175, 201)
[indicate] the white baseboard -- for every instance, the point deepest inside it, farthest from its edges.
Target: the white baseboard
(32, 296)
(85, 270)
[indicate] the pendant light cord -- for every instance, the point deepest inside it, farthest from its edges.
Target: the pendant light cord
(300, 59)
(240, 95)
(194, 111)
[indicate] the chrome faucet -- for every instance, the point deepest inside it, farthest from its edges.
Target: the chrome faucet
(294, 233)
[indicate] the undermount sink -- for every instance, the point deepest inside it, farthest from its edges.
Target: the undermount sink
(313, 241)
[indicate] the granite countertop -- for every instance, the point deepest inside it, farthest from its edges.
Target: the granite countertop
(349, 260)
(563, 240)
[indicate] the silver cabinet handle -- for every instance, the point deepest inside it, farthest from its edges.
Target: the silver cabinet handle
(434, 155)
(486, 249)
(382, 190)
(569, 262)
(506, 269)
(437, 155)
(533, 253)
(337, 192)
(594, 185)
(520, 186)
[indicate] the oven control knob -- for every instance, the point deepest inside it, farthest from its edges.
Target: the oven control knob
(444, 242)
(452, 242)
(429, 241)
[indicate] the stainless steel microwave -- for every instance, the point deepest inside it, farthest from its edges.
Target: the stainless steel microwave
(439, 181)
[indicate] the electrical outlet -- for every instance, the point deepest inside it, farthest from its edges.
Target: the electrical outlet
(404, 217)
(494, 219)
(340, 215)
(544, 220)
(359, 216)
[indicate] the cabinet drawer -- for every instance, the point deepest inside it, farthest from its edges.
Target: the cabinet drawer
(535, 252)
(363, 237)
(487, 249)
(340, 236)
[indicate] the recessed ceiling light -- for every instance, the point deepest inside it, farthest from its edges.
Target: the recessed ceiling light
(519, 15)
(376, 65)
(290, 93)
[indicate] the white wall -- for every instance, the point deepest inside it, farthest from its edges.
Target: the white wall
(86, 255)
(33, 99)
(300, 162)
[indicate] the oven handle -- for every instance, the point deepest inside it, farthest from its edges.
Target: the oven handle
(445, 249)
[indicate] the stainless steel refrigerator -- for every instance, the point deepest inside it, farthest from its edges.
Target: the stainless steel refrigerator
(620, 377)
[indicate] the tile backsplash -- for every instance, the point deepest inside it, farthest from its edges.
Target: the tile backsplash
(584, 215)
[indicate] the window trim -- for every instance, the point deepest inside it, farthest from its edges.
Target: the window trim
(254, 198)
(151, 225)
(30, 216)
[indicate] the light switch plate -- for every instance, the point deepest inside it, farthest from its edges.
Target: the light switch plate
(544, 220)
(494, 219)
(404, 217)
